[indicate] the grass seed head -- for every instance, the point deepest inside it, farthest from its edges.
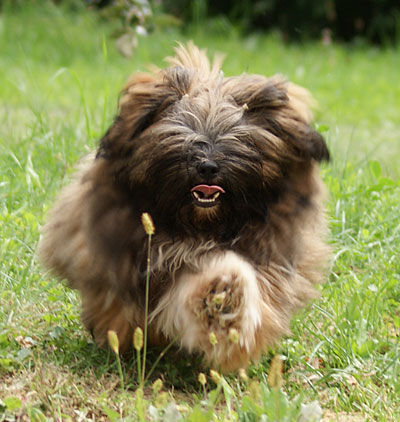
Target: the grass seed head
(162, 399)
(157, 386)
(234, 335)
(243, 375)
(182, 408)
(138, 339)
(215, 376)
(148, 224)
(113, 341)
(275, 379)
(255, 391)
(219, 298)
(202, 379)
(213, 338)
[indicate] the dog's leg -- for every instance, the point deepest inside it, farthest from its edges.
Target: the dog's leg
(223, 298)
(103, 311)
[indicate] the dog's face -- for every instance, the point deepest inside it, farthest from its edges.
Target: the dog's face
(206, 172)
(206, 154)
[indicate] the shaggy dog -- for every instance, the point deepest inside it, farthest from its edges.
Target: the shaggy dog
(228, 168)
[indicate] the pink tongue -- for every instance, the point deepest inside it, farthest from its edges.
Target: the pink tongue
(207, 189)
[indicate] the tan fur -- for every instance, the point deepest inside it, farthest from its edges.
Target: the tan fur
(200, 285)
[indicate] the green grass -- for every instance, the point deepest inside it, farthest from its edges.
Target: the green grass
(60, 76)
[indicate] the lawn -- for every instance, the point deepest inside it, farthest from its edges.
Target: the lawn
(60, 76)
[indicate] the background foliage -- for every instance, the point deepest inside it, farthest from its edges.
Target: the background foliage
(377, 21)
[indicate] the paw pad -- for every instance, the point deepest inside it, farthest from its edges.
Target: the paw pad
(220, 302)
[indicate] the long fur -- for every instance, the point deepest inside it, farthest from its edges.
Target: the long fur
(246, 263)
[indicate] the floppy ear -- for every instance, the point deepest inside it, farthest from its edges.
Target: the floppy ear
(142, 101)
(302, 102)
(283, 109)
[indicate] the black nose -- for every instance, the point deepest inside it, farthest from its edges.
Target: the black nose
(208, 169)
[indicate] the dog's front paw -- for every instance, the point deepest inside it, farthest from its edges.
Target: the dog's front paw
(223, 301)
(218, 305)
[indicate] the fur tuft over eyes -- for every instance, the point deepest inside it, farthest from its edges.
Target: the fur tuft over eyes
(143, 100)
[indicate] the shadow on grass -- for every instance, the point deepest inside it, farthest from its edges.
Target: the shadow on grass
(176, 368)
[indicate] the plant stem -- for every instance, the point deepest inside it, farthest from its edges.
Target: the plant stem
(121, 376)
(139, 366)
(146, 309)
(159, 358)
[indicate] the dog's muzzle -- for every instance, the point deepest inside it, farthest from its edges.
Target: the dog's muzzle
(206, 195)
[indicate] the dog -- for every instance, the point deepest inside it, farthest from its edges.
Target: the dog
(228, 169)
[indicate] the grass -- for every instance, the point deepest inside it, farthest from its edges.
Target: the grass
(60, 76)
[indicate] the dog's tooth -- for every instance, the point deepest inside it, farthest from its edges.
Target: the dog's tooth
(207, 200)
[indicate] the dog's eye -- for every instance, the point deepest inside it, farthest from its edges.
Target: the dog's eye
(204, 146)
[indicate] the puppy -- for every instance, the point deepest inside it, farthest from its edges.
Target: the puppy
(228, 168)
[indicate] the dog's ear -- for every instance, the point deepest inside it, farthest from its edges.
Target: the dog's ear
(301, 103)
(145, 97)
(283, 109)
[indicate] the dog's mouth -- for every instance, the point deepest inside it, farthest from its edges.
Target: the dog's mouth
(206, 195)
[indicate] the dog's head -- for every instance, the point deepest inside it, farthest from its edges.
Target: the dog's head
(207, 154)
